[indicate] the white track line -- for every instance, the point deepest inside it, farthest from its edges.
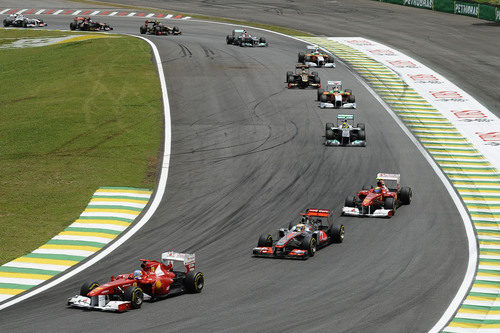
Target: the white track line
(158, 195)
(5, 11)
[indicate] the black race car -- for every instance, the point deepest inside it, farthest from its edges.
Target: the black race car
(157, 28)
(241, 37)
(19, 20)
(86, 24)
(302, 78)
(301, 241)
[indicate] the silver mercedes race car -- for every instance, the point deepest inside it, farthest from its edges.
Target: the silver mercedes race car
(19, 20)
(344, 133)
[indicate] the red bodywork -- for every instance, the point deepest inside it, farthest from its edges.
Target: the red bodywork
(156, 280)
(370, 198)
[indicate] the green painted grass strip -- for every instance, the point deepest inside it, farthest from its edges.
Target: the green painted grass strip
(16, 286)
(492, 283)
(124, 188)
(114, 207)
(27, 270)
(476, 321)
(123, 219)
(103, 231)
(54, 256)
(74, 242)
(480, 307)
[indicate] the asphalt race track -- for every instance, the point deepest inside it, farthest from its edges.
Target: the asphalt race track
(247, 157)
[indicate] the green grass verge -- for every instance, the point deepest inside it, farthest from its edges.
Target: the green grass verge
(74, 117)
(280, 29)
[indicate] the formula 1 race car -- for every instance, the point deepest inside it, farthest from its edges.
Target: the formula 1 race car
(335, 97)
(381, 201)
(157, 28)
(302, 78)
(315, 58)
(301, 241)
(19, 20)
(344, 133)
(241, 37)
(156, 280)
(86, 24)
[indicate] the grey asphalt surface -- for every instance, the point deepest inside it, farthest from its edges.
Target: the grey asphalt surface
(247, 157)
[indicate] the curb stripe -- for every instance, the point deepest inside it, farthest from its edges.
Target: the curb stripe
(110, 211)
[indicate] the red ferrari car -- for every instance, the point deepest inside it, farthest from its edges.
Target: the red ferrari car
(155, 280)
(381, 201)
(302, 240)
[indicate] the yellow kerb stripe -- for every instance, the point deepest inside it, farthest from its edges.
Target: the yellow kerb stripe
(10, 291)
(145, 201)
(25, 275)
(102, 210)
(88, 234)
(70, 247)
(115, 222)
(46, 261)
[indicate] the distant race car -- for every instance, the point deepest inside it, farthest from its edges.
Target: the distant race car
(381, 201)
(158, 28)
(19, 20)
(86, 24)
(156, 280)
(300, 241)
(344, 133)
(315, 58)
(241, 37)
(335, 97)
(302, 78)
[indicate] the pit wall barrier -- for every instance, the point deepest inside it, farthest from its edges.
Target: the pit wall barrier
(479, 10)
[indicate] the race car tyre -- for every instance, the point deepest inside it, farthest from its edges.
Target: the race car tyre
(143, 29)
(348, 91)
(329, 126)
(361, 135)
(317, 79)
(290, 79)
(361, 125)
(350, 202)
(337, 233)
(265, 241)
(320, 92)
(301, 57)
(135, 296)
(389, 203)
(329, 134)
(288, 74)
(88, 287)
(314, 73)
(351, 99)
(262, 40)
(175, 29)
(330, 59)
(25, 24)
(194, 282)
(72, 26)
(323, 99)
(309, 243)
(405, 195)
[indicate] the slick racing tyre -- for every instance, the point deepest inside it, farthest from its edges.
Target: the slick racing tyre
(5, 23)
(361, 125)
(72, 26)
(337, 233)
(389, 203)
(301, 57)
(309, 243)
(194, 282)
(329, 135)
(323, 99)
(88, 287)
(265, 241)
(320, 93)
(142, 29)
(351, 99)
(350, 202)
(361, 135)
(405, 195)
(135, 296)
(329, 126)
(288, 75)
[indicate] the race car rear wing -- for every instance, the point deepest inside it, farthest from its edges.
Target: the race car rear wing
(317, 212)
(389, 176)
(187, 259)
(345, 116)
(334, 83)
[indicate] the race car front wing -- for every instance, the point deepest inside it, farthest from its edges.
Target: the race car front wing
(328, 105)
(98, 303)
(354, 143)
(269, 252)
(325, 65)
(353, 211)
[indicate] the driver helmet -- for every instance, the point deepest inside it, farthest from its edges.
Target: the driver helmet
(345, 124)
(377, 190)
(137, 274)
(300, 227)
(380, 183)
